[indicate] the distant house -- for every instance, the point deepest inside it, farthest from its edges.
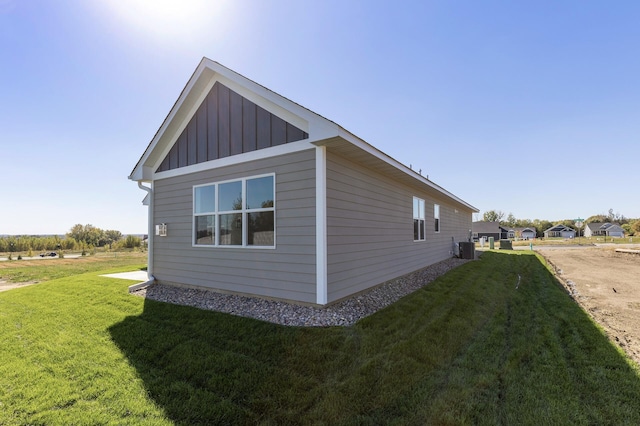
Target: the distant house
(251, 193)
(485, 229)
(603, 230)
(560, 231)
(522, 233)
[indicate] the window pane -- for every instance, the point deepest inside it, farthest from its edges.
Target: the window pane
(416, 229)
(422, 229)
(437, 225)
(260, 193)
(416, 203)
(421, 209)
(205, 230)
(260, 229)
(231, 229)
(205, 199)
(230, 196)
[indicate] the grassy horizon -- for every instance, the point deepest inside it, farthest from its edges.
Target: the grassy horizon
(495, 341)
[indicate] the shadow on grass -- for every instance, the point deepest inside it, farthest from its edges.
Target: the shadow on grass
(468, 348)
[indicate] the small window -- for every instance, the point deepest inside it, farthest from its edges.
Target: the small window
(418, 219)
(235, 213)
(436, 216)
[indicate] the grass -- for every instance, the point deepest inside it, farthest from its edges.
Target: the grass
(495, 341)
(20, 271)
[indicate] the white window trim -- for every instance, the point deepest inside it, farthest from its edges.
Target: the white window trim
(244, 211)
(423, 218)
(436, 209)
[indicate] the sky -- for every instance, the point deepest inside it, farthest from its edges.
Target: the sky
(529, 107)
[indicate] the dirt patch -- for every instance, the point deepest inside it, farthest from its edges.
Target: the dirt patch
(4, 286)
(607, 285)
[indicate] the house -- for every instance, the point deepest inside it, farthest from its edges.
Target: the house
(250, 193)
(560, 231)
(603, 229)
(487, 230)
(521, 233)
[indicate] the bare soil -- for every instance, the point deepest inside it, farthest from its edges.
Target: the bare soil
(607, 285)
(4, 286)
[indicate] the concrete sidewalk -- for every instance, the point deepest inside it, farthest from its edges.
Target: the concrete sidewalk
(139, 276)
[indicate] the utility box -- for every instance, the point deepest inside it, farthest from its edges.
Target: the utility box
(467, 250)
(491, 243)
(506, 245)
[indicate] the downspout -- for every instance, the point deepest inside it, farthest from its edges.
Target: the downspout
(150, 238)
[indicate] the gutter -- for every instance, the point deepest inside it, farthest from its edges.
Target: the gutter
(149, 191)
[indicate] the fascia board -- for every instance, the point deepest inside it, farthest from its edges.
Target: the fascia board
(350, 137)
(206, 75)
(196, 79)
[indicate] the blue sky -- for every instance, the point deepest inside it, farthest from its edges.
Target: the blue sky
(531, 108)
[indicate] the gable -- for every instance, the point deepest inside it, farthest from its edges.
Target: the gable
(227, 124)
(223, 118)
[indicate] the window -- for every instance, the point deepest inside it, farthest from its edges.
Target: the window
(436, 216)
(418, 219)
(238, 213)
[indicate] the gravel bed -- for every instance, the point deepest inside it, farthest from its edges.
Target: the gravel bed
(344, 313)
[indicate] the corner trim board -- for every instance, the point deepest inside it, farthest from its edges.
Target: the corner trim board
(321, 225)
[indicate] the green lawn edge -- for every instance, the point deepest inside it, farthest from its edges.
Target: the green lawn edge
(495, 341)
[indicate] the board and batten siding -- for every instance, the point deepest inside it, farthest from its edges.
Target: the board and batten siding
(370, 228)
(285, 272)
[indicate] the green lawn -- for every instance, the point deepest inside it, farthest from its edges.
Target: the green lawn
(18, 271)
(470, 348)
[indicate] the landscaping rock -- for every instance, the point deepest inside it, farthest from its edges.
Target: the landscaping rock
(343, 313)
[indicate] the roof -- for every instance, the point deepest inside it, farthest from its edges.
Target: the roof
(559, 228)
(483, 227)
(595, 226)
(322, 132)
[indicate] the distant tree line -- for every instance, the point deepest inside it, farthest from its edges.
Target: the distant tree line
(80, 237)
(630, 226)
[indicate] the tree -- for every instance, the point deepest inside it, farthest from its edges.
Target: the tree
(493, 216)
(511, 220)
(110, 236)
(88, 234)
(541, 226)
(569, 223)
(132, 241)
(599, 218)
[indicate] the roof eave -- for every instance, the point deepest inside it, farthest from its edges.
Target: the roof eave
(349, 137)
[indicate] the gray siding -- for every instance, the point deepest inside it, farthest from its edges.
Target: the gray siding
(227, 124)
(370, 228)
(286, 272)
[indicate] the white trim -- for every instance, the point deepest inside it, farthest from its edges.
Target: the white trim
(150, 239)
(243, 212)
(183, 125)
(353, 139)
(319, 128)
(232, 160)
(321, 225)
(422, 205)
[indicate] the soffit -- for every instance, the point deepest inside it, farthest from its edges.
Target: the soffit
(374, 159)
